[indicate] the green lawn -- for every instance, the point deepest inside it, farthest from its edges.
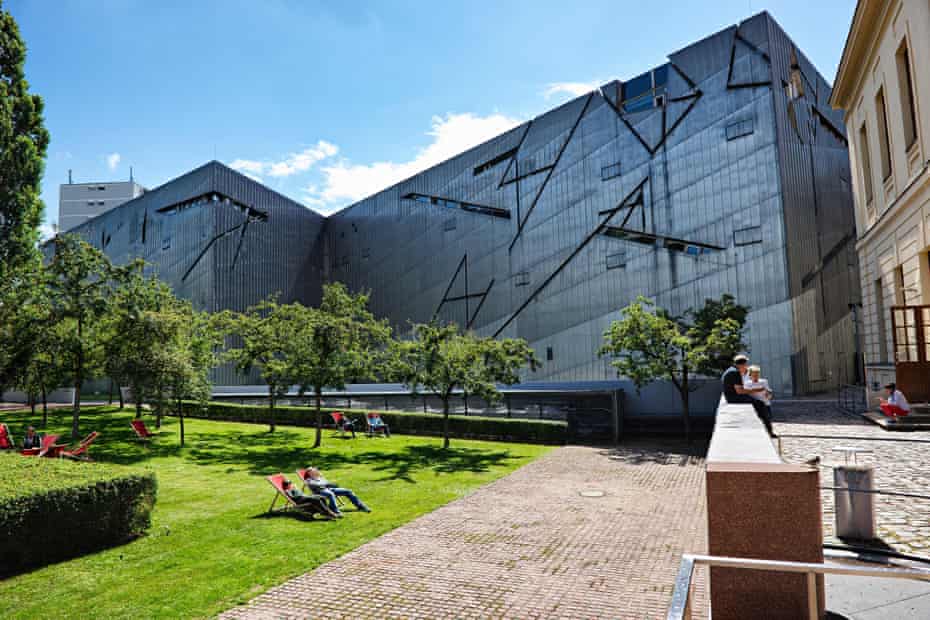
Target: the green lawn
(211, 545)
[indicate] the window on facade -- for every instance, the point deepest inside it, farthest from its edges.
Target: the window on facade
(645, 91)
(906, 88)
(880, 320)
(747, 236)
(549, 355)
(102, 187)
(616, 261)
(166, 242)
(522, 278)
(883, 139)
(611, 171)
(740, 129)
(449, 224)
(866, 161)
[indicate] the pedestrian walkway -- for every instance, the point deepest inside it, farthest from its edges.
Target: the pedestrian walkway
(901, 462)
(582, 532)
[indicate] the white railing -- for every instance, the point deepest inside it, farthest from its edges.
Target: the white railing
(680, 607)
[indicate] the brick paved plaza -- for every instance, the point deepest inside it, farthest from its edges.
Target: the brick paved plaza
(901, 461)
(526, 546)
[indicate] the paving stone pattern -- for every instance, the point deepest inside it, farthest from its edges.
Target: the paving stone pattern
(901, 461)
(527, 546)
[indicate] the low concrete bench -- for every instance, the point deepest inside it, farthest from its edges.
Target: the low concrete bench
(759, 507)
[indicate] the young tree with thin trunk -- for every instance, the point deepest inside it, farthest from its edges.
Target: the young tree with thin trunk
(266, 334)
(80, 281)
(442, 360)
(334, 343)
(647, 345)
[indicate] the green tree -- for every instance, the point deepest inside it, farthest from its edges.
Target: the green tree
(266, 333)
(702, 323)
(338, 341)
(23, 146)
(80, 281)
(141, 321)
(441, 360)
(24, 316)
(648, 344)
(188, 359)
(44, 371)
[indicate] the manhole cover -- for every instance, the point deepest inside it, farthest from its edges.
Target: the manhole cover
(591, 494)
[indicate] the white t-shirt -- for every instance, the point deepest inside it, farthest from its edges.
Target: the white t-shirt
(749, 384)
(897, 398)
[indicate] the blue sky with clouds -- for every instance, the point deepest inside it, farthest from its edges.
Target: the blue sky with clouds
(328, 102)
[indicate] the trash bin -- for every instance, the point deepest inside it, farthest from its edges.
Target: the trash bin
(855, 512)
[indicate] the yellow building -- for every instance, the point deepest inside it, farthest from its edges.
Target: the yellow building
(883, 84)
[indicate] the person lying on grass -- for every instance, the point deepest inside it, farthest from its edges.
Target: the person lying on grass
(314, 502)
(321, 486)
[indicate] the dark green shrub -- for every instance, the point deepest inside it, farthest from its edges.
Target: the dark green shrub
(52, 510)
(407, 423)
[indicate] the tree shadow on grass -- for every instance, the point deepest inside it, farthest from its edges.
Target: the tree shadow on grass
(282, 452)
(295, 515)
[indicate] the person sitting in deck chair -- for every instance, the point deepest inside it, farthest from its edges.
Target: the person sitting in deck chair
(32, 439)
(895, 405)
(315, 502)
(377, 425)
(321, 486)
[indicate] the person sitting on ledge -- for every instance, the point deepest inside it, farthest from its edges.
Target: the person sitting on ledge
(300, 498)
(32, 439)
(895, 405)
(735, 392)
(321, 486)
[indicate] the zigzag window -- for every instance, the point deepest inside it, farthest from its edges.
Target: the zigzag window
(740, 129)
(214, 197)
(494, 161)
(457, 204)
(747, 236)
(522, 278)
(610, 172)
(645, 91)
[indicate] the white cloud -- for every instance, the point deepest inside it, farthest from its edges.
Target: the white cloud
(575, 89)
(291, 164)
(345, 182)
(113, 161)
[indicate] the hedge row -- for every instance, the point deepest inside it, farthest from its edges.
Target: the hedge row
(52, 510)
(406, 423)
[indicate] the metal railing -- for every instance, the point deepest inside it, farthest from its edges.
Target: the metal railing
(680, 608)
(851, 399)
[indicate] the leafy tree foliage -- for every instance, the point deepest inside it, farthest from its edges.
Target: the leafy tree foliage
(647, 345)
(442, 359)
(80, 280)
(23, 145)
(266, 333)
(339, 341)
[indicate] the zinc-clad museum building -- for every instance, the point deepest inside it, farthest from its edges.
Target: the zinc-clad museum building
(722, 170)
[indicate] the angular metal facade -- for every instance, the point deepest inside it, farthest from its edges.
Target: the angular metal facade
(723, 170)
(219, 239)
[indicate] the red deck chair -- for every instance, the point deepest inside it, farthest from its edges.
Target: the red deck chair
(47, 442)
(139, 426)
(6, 440)
(304, 475)
(80, 453)
(277, 481)
(340, 420)
(376, 424)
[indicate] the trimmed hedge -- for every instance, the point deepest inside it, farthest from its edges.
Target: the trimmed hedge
(405, 423)
(52, 510)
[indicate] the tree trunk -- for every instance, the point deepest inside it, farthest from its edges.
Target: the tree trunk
(119, 391)
(158, 410)
(271, 409)
(110, 395)
(44, 408)
(32, 405)
(181, 419)
(78, 380)
(685, 406)
(319, 418)
(445, 422)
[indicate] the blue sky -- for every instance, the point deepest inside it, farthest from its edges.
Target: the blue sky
(328, 102)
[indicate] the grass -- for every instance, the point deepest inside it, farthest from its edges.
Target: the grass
(212, 545)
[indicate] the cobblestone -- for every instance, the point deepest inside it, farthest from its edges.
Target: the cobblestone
(901, 461)
(527, 546)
